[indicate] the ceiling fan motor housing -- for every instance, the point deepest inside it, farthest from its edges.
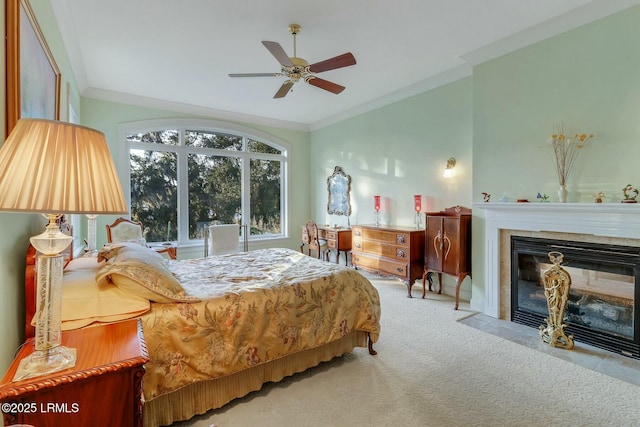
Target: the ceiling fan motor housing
(300, 69)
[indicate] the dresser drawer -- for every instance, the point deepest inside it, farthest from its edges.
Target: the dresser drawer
(382, 249)
(388, 237)
(381, 265)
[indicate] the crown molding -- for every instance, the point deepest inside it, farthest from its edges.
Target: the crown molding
(177, 107)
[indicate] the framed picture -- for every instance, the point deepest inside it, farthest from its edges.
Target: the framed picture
(33, 78)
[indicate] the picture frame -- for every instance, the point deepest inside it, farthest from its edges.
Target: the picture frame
(33, 78)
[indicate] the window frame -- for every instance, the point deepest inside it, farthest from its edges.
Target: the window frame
(205, 125)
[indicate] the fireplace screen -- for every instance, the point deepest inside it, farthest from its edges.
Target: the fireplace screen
(601, 310)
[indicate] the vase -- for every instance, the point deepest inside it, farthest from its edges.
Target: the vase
(562, 194)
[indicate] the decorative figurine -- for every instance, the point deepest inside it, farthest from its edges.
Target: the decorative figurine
(486, 197)
(557, 283)
(543, 198)
(504, 197)
(599, 196)
(630, 194)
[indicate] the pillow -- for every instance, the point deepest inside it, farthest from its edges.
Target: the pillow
(85, 302)
(83, 263)
(140, 271)
(113, 249)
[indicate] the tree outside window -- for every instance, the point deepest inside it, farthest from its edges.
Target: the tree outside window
(184, 179)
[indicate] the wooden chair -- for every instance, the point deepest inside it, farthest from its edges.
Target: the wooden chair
(125, 230)
(311, 239)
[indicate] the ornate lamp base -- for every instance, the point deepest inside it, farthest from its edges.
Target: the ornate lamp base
(557, 283)
(43, 362)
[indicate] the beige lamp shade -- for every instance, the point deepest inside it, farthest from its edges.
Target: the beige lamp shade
(57, 167)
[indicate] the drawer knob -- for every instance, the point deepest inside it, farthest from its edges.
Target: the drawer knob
(401, 253)
(401, 238)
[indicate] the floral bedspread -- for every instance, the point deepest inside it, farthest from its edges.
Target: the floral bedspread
(255, 307)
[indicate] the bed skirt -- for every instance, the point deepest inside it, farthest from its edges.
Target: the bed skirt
(200, 397)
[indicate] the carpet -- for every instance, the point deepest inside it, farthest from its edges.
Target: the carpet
(432, 370)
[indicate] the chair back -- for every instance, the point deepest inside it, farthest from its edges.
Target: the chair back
(125, 230)
(223, 239)
(311, 230)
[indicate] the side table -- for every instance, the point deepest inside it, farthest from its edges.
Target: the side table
(103, 389)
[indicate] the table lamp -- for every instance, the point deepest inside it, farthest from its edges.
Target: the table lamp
(52, 167)
(417, 206)
(376, 206)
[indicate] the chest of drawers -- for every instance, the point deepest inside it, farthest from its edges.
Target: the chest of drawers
(389, 251)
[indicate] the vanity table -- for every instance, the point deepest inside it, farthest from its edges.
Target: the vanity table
(338, 239)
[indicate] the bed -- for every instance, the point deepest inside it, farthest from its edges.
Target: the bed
(219, 327)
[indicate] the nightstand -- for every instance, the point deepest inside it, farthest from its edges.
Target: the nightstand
(103, 389)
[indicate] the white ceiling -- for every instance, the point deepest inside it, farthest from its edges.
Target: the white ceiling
(177, 54)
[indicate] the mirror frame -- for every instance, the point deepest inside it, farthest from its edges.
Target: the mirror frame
(338, 202)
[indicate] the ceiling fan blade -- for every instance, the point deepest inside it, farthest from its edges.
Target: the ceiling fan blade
(284, 89)
(326, 85)
(278, 52)
(344, 60)
(255, 75)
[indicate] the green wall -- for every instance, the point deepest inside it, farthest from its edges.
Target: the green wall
(589, 79)
(397, 151)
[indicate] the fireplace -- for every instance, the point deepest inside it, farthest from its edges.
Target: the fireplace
(612, 224)
(601, 310)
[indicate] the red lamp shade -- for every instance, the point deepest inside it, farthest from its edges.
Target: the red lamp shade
(417, 202)
(376, 203)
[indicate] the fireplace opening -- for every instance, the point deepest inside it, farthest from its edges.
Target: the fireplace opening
(602, 309)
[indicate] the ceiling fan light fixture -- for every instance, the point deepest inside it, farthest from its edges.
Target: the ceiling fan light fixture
(296, 69)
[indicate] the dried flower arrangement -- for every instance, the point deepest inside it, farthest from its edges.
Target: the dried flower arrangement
(566, 150)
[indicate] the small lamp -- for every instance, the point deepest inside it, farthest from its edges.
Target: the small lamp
(448, 172)
(376, 206)
(53, 167)
(417, 205)
(91, 232)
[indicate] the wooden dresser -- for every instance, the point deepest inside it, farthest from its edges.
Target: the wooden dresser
(389, 250)
(448, 246)
(103, 389)
(338, 239)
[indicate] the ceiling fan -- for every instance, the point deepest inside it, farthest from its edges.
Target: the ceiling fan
(296, 69)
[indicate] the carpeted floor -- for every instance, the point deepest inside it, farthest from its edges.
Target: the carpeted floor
(432, 370)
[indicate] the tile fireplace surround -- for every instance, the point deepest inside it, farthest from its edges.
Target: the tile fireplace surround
(617, 223)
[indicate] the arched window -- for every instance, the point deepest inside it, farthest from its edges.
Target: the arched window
(185, 174)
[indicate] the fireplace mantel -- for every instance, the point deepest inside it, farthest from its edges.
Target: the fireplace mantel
(599, 219)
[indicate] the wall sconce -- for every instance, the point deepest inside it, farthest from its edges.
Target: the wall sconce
(448, 172)
(376, 206)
